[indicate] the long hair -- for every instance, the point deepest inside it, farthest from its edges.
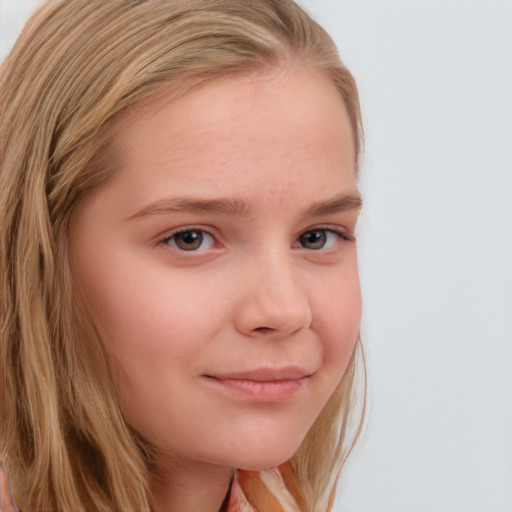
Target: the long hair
(77, 66)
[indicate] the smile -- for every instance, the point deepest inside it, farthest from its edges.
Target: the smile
(262, 385)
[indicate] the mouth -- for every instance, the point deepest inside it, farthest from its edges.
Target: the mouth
(262, 384)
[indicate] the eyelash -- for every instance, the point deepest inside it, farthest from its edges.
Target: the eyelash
(165, 241)
(340, 234)
(330, 231)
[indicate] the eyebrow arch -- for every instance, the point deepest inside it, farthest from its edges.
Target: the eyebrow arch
(239, 208)
(340, 203)
(235, 207)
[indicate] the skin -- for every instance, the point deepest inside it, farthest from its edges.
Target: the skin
(270, 294)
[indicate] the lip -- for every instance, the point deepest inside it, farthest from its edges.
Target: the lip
(262, 384)
(266, 374)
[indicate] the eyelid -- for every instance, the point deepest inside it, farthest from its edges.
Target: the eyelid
(336, 237)
(164, 239)
(343, 232)
(345, 235)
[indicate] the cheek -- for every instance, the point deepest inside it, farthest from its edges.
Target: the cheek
(339, 318)
(152, 330)
(146, 306)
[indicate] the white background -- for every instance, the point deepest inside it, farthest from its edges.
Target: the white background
(436, 87)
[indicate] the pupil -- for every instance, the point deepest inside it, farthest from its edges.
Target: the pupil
(314, 239)
(189, 240)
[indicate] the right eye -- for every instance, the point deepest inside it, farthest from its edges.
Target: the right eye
(189, 240)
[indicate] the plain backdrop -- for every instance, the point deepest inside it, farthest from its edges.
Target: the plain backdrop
(435, 79)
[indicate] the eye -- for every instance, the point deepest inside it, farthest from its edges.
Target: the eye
(317, 239)
(190, 240)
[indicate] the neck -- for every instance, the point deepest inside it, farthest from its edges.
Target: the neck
(185, 487)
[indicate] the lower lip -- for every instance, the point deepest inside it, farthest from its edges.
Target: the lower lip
(261, 391)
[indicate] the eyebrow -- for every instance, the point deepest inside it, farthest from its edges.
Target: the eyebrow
(340, 203)
(239, 208)
(234, 207)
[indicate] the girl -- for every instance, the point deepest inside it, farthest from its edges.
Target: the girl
(180, 301)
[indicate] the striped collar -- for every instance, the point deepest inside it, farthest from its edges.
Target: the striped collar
(260, 491)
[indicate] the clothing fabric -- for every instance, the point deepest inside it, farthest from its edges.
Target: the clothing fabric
(7, 502)
(260, 491)
(251, 491)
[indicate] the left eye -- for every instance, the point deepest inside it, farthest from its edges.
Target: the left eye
(319, 239)
(190, 240)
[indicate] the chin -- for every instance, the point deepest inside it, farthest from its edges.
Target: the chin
(262, 463)
(265, 455)
(259, 443)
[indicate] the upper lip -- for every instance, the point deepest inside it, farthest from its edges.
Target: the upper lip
(266, 374)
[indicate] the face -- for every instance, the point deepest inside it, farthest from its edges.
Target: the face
(219, 265)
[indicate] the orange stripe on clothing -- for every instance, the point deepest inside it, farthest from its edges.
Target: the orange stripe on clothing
(260, 491)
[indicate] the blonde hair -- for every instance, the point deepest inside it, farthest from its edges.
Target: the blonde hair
(77, 66)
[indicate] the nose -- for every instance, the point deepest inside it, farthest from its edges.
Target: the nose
(274, 302)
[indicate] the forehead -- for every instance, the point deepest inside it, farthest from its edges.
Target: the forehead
(234, 133)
